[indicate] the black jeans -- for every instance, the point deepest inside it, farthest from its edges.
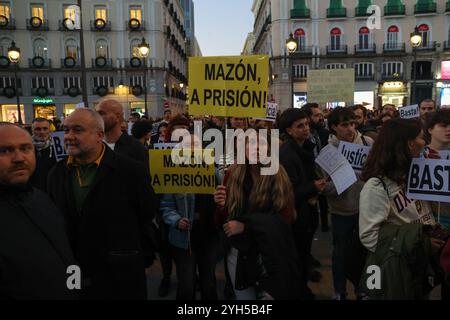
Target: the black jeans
(344, 230)
(203, 256)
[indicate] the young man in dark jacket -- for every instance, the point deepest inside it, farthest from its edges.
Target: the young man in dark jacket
(45, 157)
(297, 158)
(34, 249)
(108, 204)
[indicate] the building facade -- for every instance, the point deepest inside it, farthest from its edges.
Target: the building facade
(372, 37)
(50, 72)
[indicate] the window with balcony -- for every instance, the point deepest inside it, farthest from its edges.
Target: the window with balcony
(392, 68)
(301, 38)
(364, 38)
(335, 39)
(5, 43)
(425, 6)
(9, 82)
(100, 13)
(45, 82)
(364, 70)
(72, 82)
(71, 49)
(336, 9)
(69, 12)
(40, 48)
(425, 33)
(137, 81)
(361, 9)
(332, 66)
(394, 7)
(392, 37)
(300, 70)
(101, 48)
(300, 11)
(136, 13)
(5, 9)
(108, 82)
(134, 48)
(37, 10)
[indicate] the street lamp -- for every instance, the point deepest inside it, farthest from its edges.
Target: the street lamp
(14, 57)
(144, 51)
(415, 41)
(291, 45)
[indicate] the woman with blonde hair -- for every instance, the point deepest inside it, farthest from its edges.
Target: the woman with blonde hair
(256, 212)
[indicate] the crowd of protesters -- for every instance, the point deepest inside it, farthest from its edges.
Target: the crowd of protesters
(97, 209)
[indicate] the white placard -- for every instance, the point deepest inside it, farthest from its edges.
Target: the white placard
(409, 112)
(445, 154)
(356, 154)
(58, 145)
(79, 105)
(271, 114)
(335, 164)
(429, 180)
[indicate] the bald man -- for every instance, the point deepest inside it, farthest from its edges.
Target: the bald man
(112, 113)
(34, 249)
(108, 204)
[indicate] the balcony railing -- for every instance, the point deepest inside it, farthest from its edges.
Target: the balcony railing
(101, 63)
(336, 12)
(38, 91)
(361, 11)
(304, 50)
(425, 8)
(343, 49)
(397, 10)
(394, 47)
(300, 13)
(37, 24)
(39, 63)
(100, 25)
(135, 25)
(428, 46)
(392, 76)
(7, 24)
(446, 46)
(362, 77)
(69, 63)
(422, 76)
(66, 25)
(363, 49)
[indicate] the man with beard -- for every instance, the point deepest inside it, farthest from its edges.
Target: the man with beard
(45, 158)
(34, 249)
(362, 124)
(112, 113)
(108, 204)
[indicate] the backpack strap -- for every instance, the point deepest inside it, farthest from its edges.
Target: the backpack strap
(384, 185)
(364, 140)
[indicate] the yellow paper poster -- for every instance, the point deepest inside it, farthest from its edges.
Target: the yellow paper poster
(189, 174)
(229, 86)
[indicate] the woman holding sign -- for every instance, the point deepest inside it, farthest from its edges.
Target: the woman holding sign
(256, 212)
(389, 222)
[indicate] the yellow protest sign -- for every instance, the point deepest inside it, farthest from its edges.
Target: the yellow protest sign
(229, 86)
(331, 85)
(177, 176)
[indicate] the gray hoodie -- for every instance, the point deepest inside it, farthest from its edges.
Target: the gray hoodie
(347, 203)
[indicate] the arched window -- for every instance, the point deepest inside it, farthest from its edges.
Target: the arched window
(40, 48)
(101, 48)
(135, 48)
(392, 37)
(335, 39)
(301, 38)
(425, 33)
(71, 49)
(364, 38)
(5, 43)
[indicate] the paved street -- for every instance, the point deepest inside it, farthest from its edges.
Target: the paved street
(323, 290)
